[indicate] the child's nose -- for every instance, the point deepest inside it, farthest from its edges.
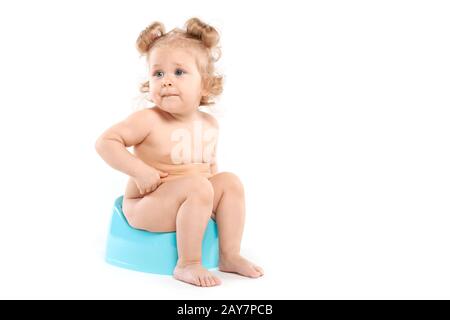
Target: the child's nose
(167, 83)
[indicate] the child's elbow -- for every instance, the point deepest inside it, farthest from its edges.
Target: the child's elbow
(99, 144)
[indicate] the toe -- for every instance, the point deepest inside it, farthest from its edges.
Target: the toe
(197, 281)
(254, 273)
(217, 281)
(202, 281)
(260, 270)
(208, 281)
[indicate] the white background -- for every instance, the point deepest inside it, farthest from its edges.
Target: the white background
(335, 115)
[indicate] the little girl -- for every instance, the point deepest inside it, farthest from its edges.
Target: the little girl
(174, 182)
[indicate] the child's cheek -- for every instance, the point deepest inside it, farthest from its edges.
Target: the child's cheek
(152, 97)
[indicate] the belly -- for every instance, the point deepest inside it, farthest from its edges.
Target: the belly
(179, 170)
(175, 171)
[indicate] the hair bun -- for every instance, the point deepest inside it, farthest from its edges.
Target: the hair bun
(202, 31)
(148, 36)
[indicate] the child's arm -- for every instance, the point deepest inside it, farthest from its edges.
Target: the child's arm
(213, 166)
(112, 144)
(215, 125)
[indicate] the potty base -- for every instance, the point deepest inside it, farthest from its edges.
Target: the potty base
(153, 252)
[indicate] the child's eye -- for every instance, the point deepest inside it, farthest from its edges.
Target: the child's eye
(158, 74)
(179, 72)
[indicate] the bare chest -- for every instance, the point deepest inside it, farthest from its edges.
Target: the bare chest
(193, 142)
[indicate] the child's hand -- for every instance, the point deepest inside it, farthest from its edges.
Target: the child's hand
(148, 180)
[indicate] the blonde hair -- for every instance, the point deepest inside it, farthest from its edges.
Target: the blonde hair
(198, 35)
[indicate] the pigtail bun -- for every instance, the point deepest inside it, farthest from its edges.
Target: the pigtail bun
(202, 31)
(148, 36)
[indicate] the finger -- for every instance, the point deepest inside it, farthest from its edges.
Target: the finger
(163, 174)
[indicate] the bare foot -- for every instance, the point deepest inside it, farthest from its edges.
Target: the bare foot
(237, 264)
(195, 274)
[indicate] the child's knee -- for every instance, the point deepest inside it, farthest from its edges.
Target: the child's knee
(200, 188)
(232, 182)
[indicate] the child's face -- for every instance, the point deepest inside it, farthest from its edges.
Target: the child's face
(175, 82)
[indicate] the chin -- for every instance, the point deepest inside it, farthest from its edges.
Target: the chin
(170, 108)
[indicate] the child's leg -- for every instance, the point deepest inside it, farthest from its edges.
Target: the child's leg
(184, 205)
(229, 213)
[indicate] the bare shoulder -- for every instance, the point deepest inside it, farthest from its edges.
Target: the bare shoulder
(143, 116)
(145, 119)
(210, 119)
(134, 129)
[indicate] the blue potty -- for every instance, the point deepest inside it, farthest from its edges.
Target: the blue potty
(153, 252)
